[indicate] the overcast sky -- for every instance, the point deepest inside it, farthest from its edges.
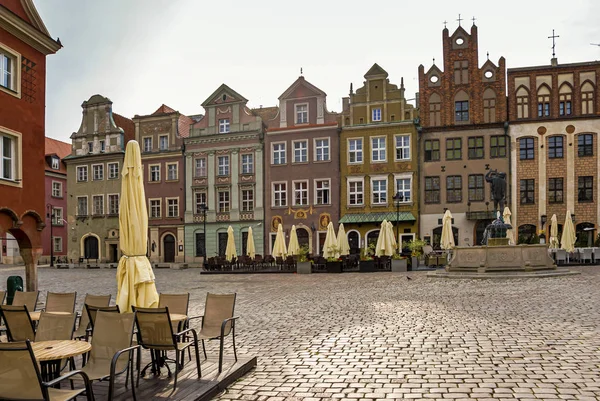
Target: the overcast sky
(143, 53)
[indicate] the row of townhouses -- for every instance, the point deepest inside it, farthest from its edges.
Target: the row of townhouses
(379, 158)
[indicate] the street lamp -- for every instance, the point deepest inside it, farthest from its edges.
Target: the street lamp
(398, 199)
(203, 209)
(50, 215)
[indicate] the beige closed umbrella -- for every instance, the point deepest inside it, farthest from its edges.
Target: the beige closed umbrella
(392, 237)
(230, 251)
(567, 242)
(330, 249)
(250, 249)
(384, 247)
(509, 233)
(293, 247)
(279, 249)
(553, 242)
(135, 278)
(447, 240)
(342, 241)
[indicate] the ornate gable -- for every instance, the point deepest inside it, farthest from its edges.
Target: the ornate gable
(224, 95)
(301, 88)
(376, 72)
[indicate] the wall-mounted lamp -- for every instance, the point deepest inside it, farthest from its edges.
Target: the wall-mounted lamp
(573, 218)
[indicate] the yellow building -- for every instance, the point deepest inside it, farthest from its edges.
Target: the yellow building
(378, 161)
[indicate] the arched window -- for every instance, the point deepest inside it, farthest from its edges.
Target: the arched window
(527, 234)
(565, 94)
(461, 107)
(437, 237)
(372, 237)
(587, 98)
(435, 110)
(354, 242)
(585, 235)
(543, 96)
(489, 106)
(522, 103)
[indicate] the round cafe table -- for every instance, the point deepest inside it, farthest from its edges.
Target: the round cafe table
(50, 354)
(177, 320)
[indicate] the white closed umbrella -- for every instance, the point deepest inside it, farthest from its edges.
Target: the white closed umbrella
(553, 242)
(509, 233)
(250, 249)
(230, 251)
(447, 240)
(293, 247)
(279, 248)
(330, 249)
(384, 242)
(342, 240)
(567, 242)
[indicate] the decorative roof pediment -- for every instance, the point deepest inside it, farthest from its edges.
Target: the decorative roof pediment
(489, 65)
(163, 109)
(434, 70)
(224, 94)
(460, 31)
(376, 72)
(301, 88)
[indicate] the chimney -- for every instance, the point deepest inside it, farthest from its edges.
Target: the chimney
(554, 62)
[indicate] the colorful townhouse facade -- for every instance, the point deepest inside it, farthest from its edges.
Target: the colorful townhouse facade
(378, 161)
(161, 136)
(302, 176)
(463, 137)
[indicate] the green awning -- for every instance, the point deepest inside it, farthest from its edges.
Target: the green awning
(377, 217)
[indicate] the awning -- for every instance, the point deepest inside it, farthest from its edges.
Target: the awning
(376, 217)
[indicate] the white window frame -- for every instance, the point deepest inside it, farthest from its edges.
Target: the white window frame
(100, 170)
(303, 113)
(247, 204)
(404, 176)
(224, 203)
(159, 206)
(145, 141)
(55, 163)
(376, 114)
(403, 147)
(279, 191)
(349, 193)
(160, 140)
(83, 169)
(303, 151)
(94, 197)
(379, 149)
(248, 164)
(356, 152)
(150, 166)
(14, 89)
(172, 205)
(108, 204)
(379, 178)
(224, 126)
(224, 166)
(318, 148)
(197, 204)
(301, 191)
(316, 190)
(57, 220)
(15, 158)
(59, 243)
(59, 189)
(282, 153)
(112, 176)
(87, 206)
(200, 165)
(167, 165)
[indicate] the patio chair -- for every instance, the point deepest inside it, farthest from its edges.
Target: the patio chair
(155, 333)
(290, 263)
(218, 321)
(84, 319)
(177, 303)
(112, 351)
(596, 252)
(269, 260)
(258, 261)
(93, 310)
(29, 298)
(586, 254)
(2, 297)
(20, 377)
(60, 302)
(561, 256)
(53, 326)
(19, 326)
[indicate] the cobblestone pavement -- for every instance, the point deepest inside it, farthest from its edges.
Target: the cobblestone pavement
(382, 336)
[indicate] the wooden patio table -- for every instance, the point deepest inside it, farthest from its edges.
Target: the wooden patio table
(50, 354)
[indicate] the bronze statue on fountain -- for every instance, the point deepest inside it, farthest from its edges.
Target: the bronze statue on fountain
(496, 232)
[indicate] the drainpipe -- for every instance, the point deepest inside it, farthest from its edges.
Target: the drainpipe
(419, 133)
(185, 256)
(509, 172)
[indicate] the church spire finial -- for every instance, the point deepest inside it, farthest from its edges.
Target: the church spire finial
(459, 19)
(301, 71)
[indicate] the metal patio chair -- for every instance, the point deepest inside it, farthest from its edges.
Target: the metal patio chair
(84, 318)
(19, 326)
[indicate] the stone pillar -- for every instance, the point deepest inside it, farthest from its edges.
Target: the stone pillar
(30, 258)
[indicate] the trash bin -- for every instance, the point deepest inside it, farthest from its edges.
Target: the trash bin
(13, 284)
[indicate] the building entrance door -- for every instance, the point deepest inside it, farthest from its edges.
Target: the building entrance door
(90, 247)
(114, 252)
(169, 248)
(222, 243)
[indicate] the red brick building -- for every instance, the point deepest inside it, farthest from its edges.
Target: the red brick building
(24, 44)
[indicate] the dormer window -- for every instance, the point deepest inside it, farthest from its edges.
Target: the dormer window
(223, 126)
(102, 148)
(55, 163)
(376, 114)
(301, 113)
(163, 142)
(90, 147)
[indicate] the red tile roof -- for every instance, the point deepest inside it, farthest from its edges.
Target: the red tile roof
(163, 109)
(127, 125)
(269, 115)
(58, 148)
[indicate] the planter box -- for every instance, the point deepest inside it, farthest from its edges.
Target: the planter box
(414, 263)
(334, 267)
(366, 266)
(303, 267)
(399, 265)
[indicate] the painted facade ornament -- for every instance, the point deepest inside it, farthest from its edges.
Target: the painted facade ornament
(300, 213)
(275, 222)
(324, 220)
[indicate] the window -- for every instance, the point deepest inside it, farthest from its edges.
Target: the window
(453, 189)
(148, 144)
(526, 148)
(432, 189)
(378, 149)
(435, 110)
(322, 192)
(55, 163)
(248, 164)
(223, 126)
(57, 214)
(155, 209)
(280, 194)
(489, 106)
(379, 191)
(82, 206)
(82, 173)
(300, 193)
(279, 153)
(432, 150)
(461, 72)
(200, 168)
(98, 205)
(113, 204)
(376, 114)
(56, 189)
(247, 200)
(475, 147)
(587, 98)
(403, 185)
(527, 191)
(453, 149)
(200, 199)
(57, 244)
(476, 188)
(223, 201)
(555, 190)
(223, 164)
(163, 142)
(300, 152)
(585, 145)
(555, 147)
(497, 146)
(355, 150)
(355, 193)
(301, 113)
(585, 189)
(172, 172)
(113, 170)
(565, 100)
(461, 111)
(98, 172)
(544, 102)
(155, 173)
(522, 103)
(102, 147)
(322, 150)
(403, 147)
(90, 147)
(7, 70)
(172, 207)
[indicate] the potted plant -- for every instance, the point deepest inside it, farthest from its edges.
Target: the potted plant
(416, 250)
(334, 265)
(303, 266)
(367, 262)
(399, 263)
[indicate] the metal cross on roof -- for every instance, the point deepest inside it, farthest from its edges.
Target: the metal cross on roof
(445, 22)
(553, 42)
(473, 19)
(459, 19)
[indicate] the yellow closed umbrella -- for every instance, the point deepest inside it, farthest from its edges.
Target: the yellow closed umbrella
(230, 251)
(293, 247)
(447, 240)
(279, 248)
(250, 249)
(392, 237)
(509, 233)
(135, 278)
(553, 242)
(567, 242)
(384, 246)
(330, 249)
(342, 241)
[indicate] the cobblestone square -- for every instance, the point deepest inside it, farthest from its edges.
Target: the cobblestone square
(382, 336)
